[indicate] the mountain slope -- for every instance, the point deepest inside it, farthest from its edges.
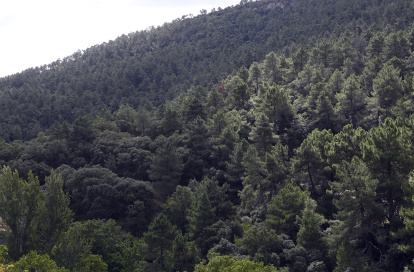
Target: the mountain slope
(158, 64)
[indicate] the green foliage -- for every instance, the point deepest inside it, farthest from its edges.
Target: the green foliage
(20, 205)
(166, 166)
(183, 256)
(227, 263)
(36, 262)
(309, 235)
(159, 239)
(288, 203)
(57, 216)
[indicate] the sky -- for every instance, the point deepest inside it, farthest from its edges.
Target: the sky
(38, 32)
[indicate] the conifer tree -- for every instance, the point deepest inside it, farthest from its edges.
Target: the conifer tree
(388, 151)
(309, 234)
(388, 89)
(166, 166)
(255, 75)
(271, 67)
(202, 215)
(288, 203)
(262, 134)
(159, 238)
(351, 102)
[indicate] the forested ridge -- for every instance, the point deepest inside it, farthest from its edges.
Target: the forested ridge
(269, 136)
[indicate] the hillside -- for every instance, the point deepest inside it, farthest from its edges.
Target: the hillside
(157, 65)
(271, 136)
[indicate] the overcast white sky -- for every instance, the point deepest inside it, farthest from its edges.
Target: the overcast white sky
(37, 32)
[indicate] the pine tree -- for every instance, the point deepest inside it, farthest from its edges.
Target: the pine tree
(271, 67)
(388, 89)
(255, 75)
(183, 256)
(351, 102)
(262, 134)
(159, 239)
(166, 166)
(288, 203)
(202, 215)
(388, 151)
(309, 234)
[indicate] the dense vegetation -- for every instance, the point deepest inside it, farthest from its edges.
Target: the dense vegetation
(269, 136)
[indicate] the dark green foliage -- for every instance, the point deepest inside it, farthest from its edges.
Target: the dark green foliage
(97, 193)
(168, 126)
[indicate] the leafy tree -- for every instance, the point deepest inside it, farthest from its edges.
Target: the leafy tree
(310, 163)
(227, 263)
(240, 95)
(33, 261)
(235, 168)
(277, 107)
(20, 205)
(57, 216)
(277, 165)
(261, 243)
(253, 195)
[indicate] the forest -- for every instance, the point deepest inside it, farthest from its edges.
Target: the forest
(268, 136)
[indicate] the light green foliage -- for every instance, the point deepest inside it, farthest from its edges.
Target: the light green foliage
(101, 242)
(57, 216)
(261, 243)
(41, 263)
(219, 263)
(20, 203)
